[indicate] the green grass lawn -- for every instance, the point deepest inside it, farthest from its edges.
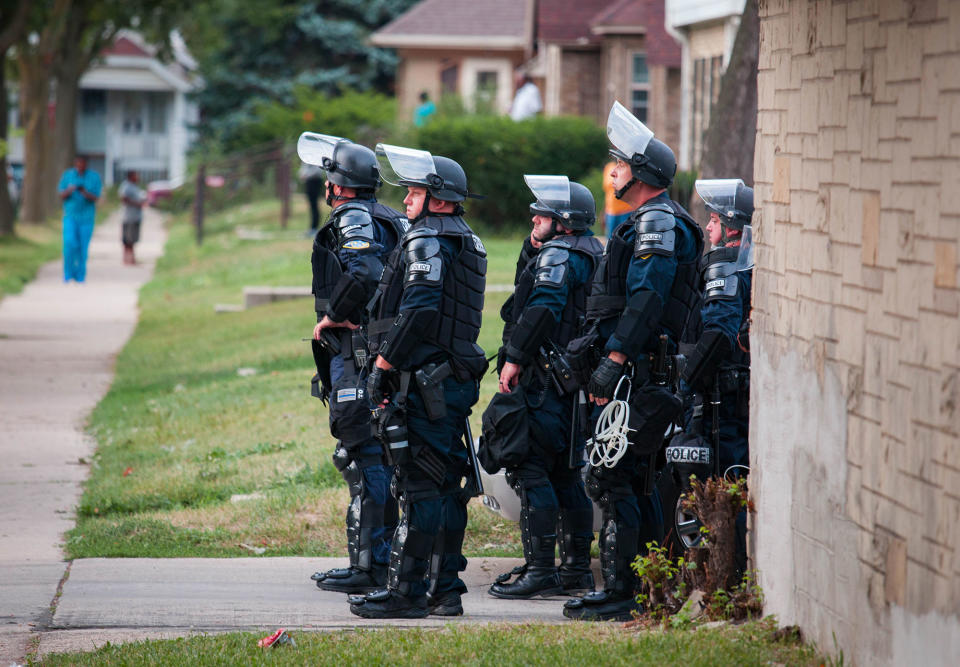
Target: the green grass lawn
(181, 433)
(21, 255)
(495, 645)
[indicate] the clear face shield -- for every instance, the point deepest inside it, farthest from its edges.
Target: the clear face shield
(317, 149)
(720, 195)
(626, 133)
(745, 257)
(552, 194)
(407, 166)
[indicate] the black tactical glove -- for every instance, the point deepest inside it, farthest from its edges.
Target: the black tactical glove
(604, 380)
(378, 384)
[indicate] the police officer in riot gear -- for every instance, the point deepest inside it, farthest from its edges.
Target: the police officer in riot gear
(643, 296)
(424, 381)
(348, 255)
(542, 316)
(718, 368)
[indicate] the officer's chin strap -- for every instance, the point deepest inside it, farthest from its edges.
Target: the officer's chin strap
(424, 210)
(619, 193)
(554, 232)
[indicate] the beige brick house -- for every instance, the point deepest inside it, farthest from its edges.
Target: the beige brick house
(856, 326)
(582, 54)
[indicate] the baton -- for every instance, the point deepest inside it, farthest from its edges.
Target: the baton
(474, 464)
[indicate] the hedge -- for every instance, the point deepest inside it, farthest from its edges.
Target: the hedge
(496, 152)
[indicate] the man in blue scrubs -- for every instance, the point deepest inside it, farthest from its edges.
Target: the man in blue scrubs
(79, 189)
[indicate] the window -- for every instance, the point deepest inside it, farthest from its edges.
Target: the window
(640, 87)
(486, 89)
(448, 80)
(93, 102)
(156, 113)
(132, 113)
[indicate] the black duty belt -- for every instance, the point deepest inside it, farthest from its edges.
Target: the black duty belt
(381, 326)
(604, 303)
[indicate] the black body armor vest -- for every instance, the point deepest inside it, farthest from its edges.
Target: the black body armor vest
(461, 306)
(721, 282)
(354, 219)
(608, 295)
(576, 306)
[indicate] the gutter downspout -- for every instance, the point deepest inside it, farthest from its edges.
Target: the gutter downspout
(686, 89)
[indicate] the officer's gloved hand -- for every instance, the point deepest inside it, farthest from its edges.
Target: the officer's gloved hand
(378, 384)
(604, 380)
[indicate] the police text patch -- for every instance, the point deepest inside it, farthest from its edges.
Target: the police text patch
(420, 267)
(356, 244)
(716, 284)
(651, 236)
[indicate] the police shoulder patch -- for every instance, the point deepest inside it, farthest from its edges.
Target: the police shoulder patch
(356, 244)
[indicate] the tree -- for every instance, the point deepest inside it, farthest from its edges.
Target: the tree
(13, 21)
(728, 147)
(36, 57)
(249, 53)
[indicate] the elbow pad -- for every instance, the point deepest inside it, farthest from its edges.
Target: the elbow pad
(534, 326)
(638, 321)
(410, 328)
(712, 348)
(347, 300)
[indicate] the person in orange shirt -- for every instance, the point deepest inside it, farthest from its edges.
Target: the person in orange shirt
(615, 211)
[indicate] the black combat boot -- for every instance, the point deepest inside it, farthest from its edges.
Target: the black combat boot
(389, 603)
(352, 579)
(617, 602)
(538, 578)
(363, 516)
(575, 534)
(408, 554)
(445, 604)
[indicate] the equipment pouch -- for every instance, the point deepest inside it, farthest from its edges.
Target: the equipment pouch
(505, 439)
(389, 425)
(350, 410)
(430, 387)
(562, 372)
(582, 356)
(652, 410)
(432, 465)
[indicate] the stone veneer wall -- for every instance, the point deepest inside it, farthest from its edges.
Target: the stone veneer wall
(855, 431)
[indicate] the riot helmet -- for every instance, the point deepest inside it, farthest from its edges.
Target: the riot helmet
(729, 198)
(568, 203)
(347, 164)
(651, 161)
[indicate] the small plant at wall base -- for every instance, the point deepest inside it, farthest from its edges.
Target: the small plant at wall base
(662, 585)
(710, 569)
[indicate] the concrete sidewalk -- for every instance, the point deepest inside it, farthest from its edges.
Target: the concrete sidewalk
(57, 347)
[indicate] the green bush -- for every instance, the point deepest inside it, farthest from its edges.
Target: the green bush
(363, 117)
(496, 152)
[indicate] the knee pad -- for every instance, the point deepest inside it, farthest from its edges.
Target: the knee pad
(341, 458)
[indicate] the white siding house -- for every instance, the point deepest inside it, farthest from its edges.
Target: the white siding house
(706, 30)
(133, 112)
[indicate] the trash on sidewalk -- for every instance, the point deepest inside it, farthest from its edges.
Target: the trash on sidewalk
(278, 638)
(256, 550)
